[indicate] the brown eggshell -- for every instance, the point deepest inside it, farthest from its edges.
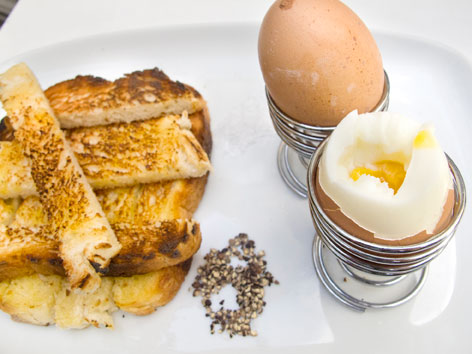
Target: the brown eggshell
(319, 61)
(333, 211)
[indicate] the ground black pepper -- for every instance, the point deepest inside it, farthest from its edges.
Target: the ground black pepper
(249, 282)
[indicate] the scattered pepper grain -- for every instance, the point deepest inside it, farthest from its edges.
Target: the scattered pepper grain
(249, 282)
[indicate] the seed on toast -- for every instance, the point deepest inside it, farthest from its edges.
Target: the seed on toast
(75, 217)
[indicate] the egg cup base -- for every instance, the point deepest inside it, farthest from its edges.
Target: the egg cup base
(290, 168)
(367, 284)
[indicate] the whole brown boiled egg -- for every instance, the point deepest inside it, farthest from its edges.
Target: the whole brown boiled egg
(319, 61)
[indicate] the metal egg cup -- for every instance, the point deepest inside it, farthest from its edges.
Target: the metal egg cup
(304, 139)
(391, 264)
(394, 263)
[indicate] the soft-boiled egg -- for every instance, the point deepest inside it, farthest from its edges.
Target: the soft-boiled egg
(384, 178)
(319, 61)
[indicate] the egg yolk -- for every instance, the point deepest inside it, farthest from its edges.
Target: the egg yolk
(424, 139)
(388, 171)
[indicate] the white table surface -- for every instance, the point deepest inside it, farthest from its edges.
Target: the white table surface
(34, 23)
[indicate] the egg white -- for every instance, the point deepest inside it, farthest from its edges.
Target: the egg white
(360, 141)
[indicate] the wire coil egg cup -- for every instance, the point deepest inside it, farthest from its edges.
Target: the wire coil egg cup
(391, 262)
(304, 139)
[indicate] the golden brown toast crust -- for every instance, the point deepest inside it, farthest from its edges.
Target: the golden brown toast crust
(139, 152)
(88, 100)
(153, 202)
(142, 294)
(121, 154)
(175, 242)
(29, 250)
(75, 217)
(45, 300)
(140, 205)
(201, 129)
(137, 294)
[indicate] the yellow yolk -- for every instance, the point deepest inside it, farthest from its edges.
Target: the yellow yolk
(424, 139)
(391, 172)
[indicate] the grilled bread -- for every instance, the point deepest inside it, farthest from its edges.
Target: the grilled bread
(142, 204)
(140, 152)
(46, 299)
(142, 294)
(88, 101)
(117, 155)
(149, 203)
(26, 247)
(75, 217)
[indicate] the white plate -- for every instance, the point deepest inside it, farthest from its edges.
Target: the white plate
(246, 194)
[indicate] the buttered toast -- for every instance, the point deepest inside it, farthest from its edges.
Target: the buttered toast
(45, 299)
(146, 248)
(171, 202)
(75, 218)
(142, 204)
(164, 209)
(117, 155)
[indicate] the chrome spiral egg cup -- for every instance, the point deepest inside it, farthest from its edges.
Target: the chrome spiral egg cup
(392, 263)
(304, 139)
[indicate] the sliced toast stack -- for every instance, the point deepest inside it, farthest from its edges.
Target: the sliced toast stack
(98, 184)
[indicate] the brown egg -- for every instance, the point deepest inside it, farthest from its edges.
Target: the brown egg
(319, 61)
(333, 211)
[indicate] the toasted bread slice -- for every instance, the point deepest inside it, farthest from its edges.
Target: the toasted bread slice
(139, 152)
(200, 128)
(142, 294)
(46, 299)
(89, 101)
(119, 155)
(78, 310)
(27, 248)
(148, 203)
(75, 217)
(31, 299)
(141, 205)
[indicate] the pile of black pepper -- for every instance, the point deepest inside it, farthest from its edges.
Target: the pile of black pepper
(249, 282)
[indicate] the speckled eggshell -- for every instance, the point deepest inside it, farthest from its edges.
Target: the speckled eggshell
(319, 61)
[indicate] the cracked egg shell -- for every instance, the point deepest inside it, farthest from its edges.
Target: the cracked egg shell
(333, 211)
(361, 188)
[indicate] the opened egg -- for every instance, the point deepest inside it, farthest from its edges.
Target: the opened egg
(385, 179)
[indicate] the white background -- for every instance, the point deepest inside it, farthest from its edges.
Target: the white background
(35, 23)
(310, 316)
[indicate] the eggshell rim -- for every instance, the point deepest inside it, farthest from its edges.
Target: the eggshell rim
(332, 210)
(459, 207)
